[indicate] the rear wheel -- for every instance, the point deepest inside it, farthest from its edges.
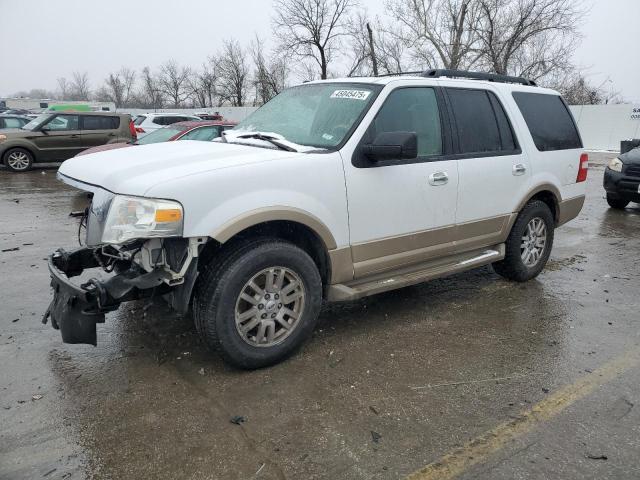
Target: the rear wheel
(529, 244)
(18, 159)
(258, 304)
(617, 203)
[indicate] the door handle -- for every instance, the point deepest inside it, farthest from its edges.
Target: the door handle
(519, 169)
(73, 136)
(438, 178)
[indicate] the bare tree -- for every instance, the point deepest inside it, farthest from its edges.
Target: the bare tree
(79, 87)
(438, 33)
(151, 93)
(375, 48)
(233, 73)
(312, 29)
(173, 81)
(118, 87)
(202, 83)
(270, 75)
(528, 37)
(361, 46)
(578, 90)
(63, 88)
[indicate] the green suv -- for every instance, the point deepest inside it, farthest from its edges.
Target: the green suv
(57, 136)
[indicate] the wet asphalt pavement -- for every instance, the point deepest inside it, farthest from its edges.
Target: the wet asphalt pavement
(386, 386)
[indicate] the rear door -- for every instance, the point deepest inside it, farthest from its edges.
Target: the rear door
(403, 212)
(98, 130)
(492, 167)
(60, 138)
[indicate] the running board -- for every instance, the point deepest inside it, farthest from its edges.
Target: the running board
(417, 274)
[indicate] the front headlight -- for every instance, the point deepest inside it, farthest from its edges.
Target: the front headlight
(135, 217)
(616, 164)
(2, 138)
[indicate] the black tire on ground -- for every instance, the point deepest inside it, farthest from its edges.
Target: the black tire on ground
(513, 266)
(617, 203)
(18, 159)
(223, 280)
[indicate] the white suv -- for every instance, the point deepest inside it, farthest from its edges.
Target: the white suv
(150, 122)
(333, 190)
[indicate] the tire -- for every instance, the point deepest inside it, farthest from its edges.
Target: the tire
(513, 266)
(18, 159)
(617, 203)
(218, 302)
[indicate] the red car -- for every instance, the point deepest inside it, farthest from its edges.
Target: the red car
(205, 130)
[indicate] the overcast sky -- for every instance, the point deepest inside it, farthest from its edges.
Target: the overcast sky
(44, 39)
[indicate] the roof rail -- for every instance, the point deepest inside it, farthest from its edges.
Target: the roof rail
(490, 77)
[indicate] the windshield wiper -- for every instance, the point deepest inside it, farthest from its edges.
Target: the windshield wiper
(283, 145)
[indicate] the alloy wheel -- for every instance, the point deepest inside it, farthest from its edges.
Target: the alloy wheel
(18, 160)
(269, 307)
(534, 242)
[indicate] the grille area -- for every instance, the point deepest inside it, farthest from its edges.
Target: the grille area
(632, 171)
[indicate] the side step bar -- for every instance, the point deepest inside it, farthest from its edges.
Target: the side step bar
(414, 275)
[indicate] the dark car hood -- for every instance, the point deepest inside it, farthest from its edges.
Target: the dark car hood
(632, 157)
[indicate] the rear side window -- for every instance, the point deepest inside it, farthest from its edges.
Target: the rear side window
(202, 133)
(100, 123)
(549, 121)
(482, 124)
(167, 120)
(139, 119)
(13, 122)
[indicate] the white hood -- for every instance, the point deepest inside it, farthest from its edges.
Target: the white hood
(133, 171)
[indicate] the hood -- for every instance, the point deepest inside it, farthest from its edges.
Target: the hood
(632, 157)
(18, 133)
(104, 148)
(133, 171)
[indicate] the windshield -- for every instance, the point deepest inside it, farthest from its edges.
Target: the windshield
(39, 120)
(317, 115)
(160, 135)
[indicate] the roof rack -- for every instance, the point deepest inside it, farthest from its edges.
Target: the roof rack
(490, 77)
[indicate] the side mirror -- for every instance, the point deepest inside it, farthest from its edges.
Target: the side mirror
(392, 146)
(45, 129)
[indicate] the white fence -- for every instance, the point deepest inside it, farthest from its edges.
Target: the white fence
(603, 126)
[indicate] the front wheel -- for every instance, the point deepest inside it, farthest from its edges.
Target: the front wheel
(529, 244)
(18, 160)
(258, 304)
(617, 203)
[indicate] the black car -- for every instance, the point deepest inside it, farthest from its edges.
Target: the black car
(622, 179)
(13, 121)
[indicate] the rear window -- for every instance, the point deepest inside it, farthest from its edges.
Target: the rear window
(100, 123)
(481, 122)
(139, 119)
(168, 120)
(549, 121)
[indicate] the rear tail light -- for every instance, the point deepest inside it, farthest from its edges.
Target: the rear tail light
(584, 168)
(140, 130)
(132, 130)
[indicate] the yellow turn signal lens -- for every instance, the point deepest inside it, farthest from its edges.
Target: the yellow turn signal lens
(168, 215)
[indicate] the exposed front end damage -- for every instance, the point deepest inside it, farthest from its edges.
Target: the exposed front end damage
(136, 270)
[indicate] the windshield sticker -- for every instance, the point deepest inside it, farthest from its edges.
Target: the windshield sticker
(351, 94)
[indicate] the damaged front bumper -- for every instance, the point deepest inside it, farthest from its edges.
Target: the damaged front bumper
(76, 309)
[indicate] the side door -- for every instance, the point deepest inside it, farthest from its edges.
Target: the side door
(402, 212)
(492, 167)
(60, 138)
(98, 130)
